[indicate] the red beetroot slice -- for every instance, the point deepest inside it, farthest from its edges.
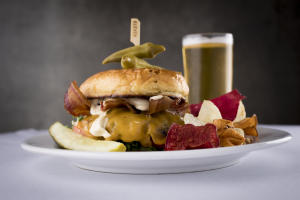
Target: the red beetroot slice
(228, 105)
(188, 136)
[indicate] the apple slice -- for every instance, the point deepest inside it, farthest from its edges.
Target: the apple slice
(228, 105)
(209, 112)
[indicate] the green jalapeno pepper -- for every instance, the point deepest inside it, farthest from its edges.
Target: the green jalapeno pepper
(129, 62)
(146, 50)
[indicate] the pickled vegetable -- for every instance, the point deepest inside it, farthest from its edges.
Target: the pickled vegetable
(67, 139)
(146, 50)
(130, 62)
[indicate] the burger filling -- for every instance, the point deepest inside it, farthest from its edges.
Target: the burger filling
(143, 120)
(121, 124)
(146, 129)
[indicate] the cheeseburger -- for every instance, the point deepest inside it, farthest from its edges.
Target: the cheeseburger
(132, 106)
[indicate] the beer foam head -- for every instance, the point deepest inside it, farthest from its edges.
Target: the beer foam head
(203, 38)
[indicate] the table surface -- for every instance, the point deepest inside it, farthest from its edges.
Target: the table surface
(270, 174)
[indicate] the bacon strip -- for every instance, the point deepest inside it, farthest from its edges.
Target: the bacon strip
(167, 103)
(75, 102)
(180, 107)
(115, 102)
(160, 104)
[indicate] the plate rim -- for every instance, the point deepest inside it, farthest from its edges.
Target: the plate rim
(157, 155)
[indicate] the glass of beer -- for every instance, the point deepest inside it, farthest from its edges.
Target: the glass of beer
(207, 60)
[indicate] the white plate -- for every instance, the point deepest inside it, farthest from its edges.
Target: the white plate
(160, 161)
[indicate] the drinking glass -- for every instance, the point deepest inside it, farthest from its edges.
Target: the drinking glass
(207, 60)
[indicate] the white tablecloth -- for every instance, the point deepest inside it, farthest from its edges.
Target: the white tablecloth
(267, 174)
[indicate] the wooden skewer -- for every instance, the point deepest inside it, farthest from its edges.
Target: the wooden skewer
(135, 29)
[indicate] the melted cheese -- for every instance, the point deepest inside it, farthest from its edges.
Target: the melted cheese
(121, 124)
(127, 126)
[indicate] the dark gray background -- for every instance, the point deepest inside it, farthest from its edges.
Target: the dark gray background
(46, 44)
